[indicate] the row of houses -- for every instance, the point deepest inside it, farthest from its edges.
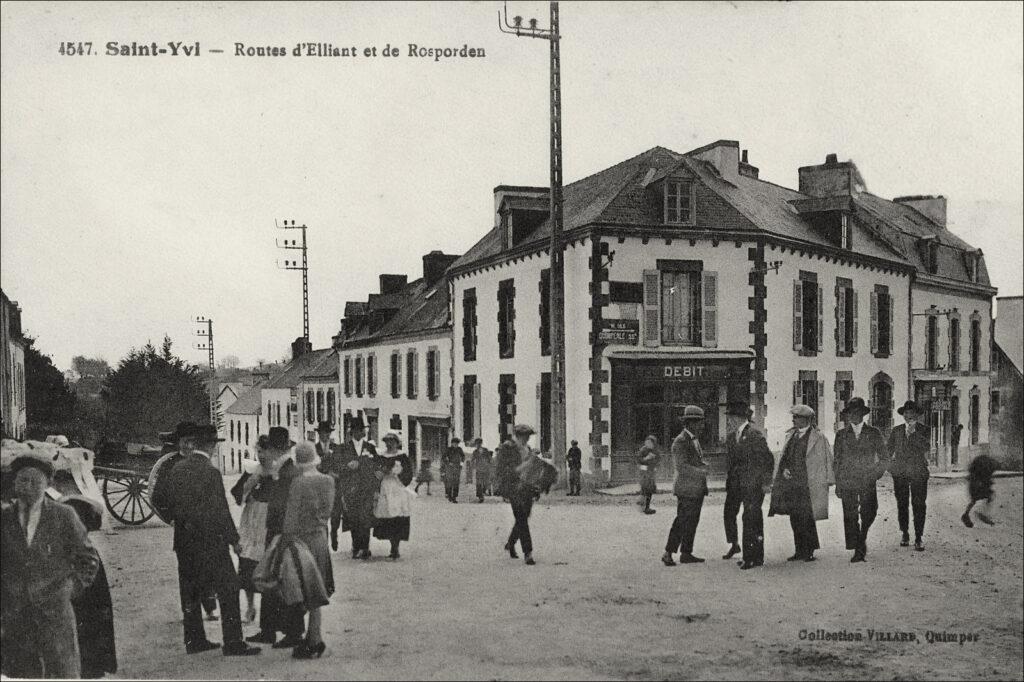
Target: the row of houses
(688, 280)
(13, 411)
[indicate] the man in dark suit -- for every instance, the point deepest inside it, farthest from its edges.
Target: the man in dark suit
(750, 472)
(482, 468)
(861, 459)
(360, 480)
(331, 464)
(47, 561)
(574, 462)
(909, 446)
(690, 488)
(194, 500)
(451, 469)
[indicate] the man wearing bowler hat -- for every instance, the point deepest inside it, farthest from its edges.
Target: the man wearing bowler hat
(360, 480)
(195, 501)
(690, 487)
(909, 445)
(749, 474)
(861, 459)
(331, 464)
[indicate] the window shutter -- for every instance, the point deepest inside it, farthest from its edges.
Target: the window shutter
(415, 374)
(512, 317)
(502, 328)
(652, 307)
(821, 315)
(853, 292)
(840, 320)
(821, 400)
(462, 407)
(477, 399)
(398, 375)
(798, 316)
(539, 419)
(797, 395)
(437, 374)
(709, 286)
(874, 322)
(888, 299)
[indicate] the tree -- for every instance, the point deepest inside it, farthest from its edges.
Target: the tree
(49, 402)
(91, 374)
(151, 391)
(228, 362)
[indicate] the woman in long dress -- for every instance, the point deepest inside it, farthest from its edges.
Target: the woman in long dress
(252, 526)
(393, 507)
(308, 518)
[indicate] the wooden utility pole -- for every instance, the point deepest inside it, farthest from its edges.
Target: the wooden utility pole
(556, 303)
(294, 265)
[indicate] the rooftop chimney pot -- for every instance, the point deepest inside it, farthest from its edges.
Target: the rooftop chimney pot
(831, 159)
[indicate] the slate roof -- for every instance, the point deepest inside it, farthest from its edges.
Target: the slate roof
(292, 374)
(248, 403)
(324, 368)
(618, 195)
(421, 307)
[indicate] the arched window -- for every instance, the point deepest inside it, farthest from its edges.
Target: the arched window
(331, 406)
(880, 392)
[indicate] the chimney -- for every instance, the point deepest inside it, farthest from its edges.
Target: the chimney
(300, 347)
(502, 191)
(434, 265)
(931, 207)
(745, 168)
(724, 155)
(389, 284)
(831, 179)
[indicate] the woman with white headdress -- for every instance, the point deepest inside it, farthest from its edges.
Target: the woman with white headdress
(393, 506)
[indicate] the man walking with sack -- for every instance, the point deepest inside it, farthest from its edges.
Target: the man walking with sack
(861, 459)
(691, 487)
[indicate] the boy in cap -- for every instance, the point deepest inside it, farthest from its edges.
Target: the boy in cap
(861, 459)
(909, 445)
(690, 488)
(47, 561)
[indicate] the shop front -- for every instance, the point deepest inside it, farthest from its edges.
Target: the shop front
(940, 401)
(649, 393)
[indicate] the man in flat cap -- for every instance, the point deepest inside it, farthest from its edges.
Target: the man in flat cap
(690, 487)
(514, 457)
(861, 459)
(750, 472)
(909, 445)
(451, 469)
(801, 484)
(47, 561)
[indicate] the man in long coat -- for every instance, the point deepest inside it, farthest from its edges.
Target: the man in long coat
(195, 502)
(691, 487)
(451, 469)
(482, 468)
(360, 481)
(909, 446)
(861, 459)
(47, 561)
(750, 472)
(331, 464)
(801, 485)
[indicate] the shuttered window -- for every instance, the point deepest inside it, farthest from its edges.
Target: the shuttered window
(396, 375)
(371, 375)
(469, 335)
(846, 318)
(347, 366)
(359, 376)
(881, 321)
(652, 307)
(545, 312)
(709, 285)
(411, 374)
(506, 318)
(433, 374)
(808, 314)
(467, 391)
(954, 342)
(975, 342)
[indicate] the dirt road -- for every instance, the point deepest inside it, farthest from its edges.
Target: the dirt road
(599, 604)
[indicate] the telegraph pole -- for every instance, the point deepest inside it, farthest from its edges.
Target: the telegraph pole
(294, 265)
(557, 302)
(207, 345)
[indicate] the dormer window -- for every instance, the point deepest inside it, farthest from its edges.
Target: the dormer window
(679, 202)
(933, 257)
(971, 259)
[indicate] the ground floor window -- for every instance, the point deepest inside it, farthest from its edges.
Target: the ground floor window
(880, 395)
(506, 406)
(807, 390)
(975, 416)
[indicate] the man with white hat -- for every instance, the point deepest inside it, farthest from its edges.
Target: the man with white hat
(801, 484)
(691, 487)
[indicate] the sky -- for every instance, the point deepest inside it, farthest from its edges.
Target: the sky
(138, 193)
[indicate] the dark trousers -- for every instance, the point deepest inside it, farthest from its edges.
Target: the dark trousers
(859, 510)
(522, 505)
(805, 532)
(481, 489)
(753, 527)
(911, 491)
(574, 481)
(42, 641)
(198, 574)
(451, 487)
(733, 499)
(335, 522)
(361, 538)
(684, 527)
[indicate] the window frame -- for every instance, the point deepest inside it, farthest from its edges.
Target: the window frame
(691, 195)
(695, 306)
(469, 325)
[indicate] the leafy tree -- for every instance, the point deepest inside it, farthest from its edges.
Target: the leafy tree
(49, 402)
(152, 390)
(91, 374)
(228, 362)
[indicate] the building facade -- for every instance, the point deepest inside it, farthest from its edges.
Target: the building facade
(1006, 421)
(241, 428)
(688, 280)
(13, 410)
(394, 361)
(318, 395)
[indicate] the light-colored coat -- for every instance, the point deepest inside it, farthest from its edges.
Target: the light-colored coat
(820, 470)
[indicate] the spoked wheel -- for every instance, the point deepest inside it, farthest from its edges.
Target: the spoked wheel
(127, 499)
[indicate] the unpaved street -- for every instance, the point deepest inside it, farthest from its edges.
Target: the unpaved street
(599, 604)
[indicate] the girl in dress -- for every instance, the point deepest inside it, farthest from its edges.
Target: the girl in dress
(394, 506)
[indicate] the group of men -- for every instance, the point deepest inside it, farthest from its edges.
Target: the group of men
(806, 470)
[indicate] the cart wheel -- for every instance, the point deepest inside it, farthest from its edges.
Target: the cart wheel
(127, 499)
